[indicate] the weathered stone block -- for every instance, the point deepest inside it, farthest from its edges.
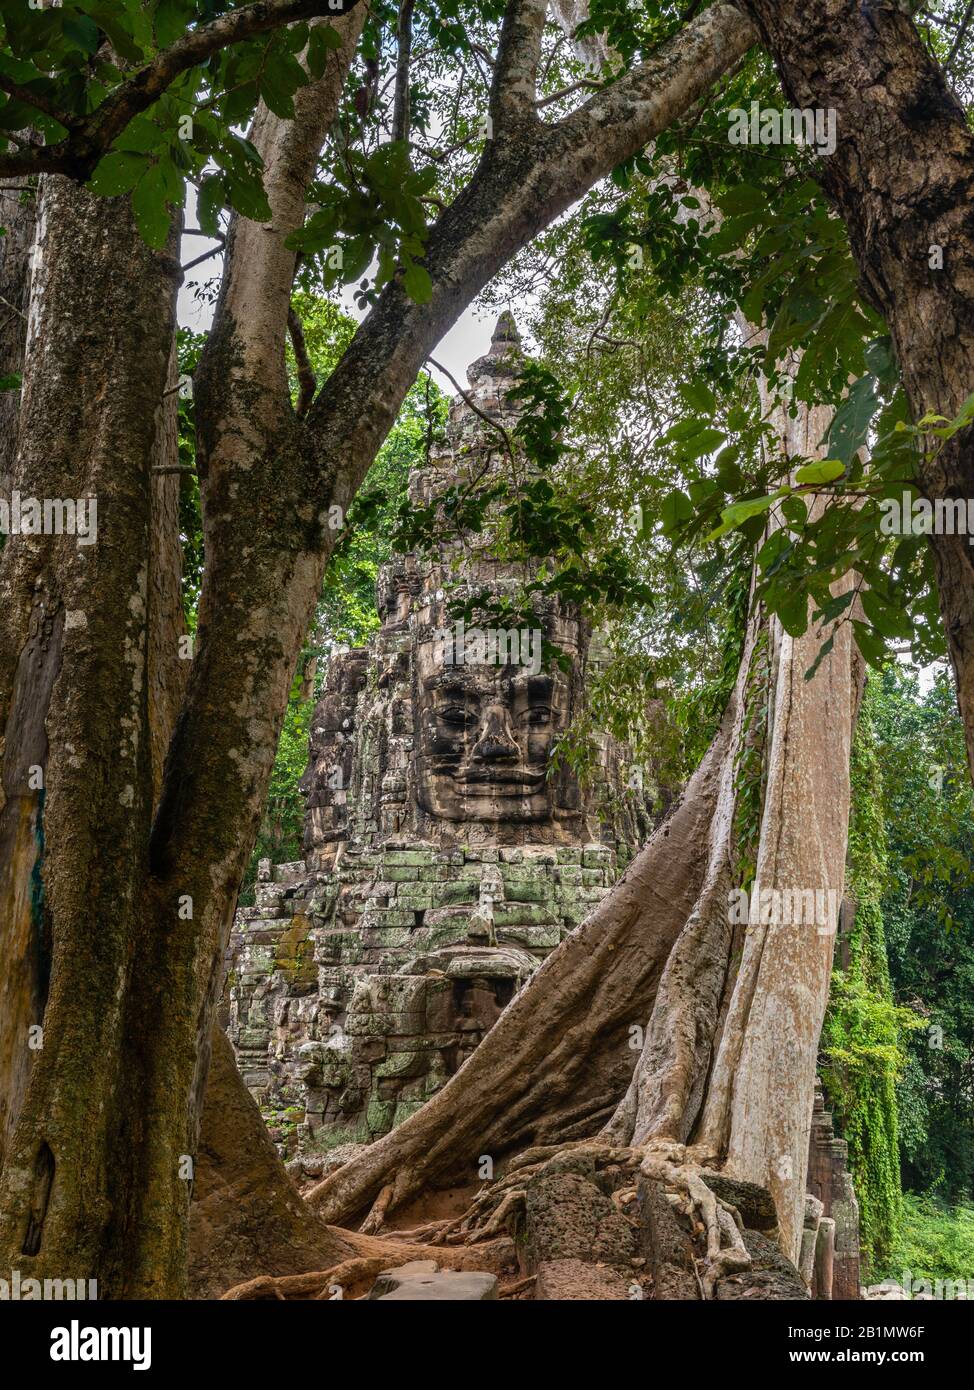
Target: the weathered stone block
(574, 1280)
(668, 1245)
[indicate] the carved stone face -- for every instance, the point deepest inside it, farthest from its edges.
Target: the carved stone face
(483, 737)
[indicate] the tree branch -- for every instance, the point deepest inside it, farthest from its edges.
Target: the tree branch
(584, 82)
(94, 135)
(307, 381)
(404, 36)
(515, 82)
(962, 29)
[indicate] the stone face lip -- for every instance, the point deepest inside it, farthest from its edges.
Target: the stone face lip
(420, 1282)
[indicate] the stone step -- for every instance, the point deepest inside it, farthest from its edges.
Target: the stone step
(421, 1282)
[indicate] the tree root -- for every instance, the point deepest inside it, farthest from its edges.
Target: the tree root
(375, 1256)
(682, 1168)
(499, 1208)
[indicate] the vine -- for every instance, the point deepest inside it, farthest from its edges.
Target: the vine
(863, 1039)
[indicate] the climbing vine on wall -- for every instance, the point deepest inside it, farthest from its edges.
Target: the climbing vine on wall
(864, 1036)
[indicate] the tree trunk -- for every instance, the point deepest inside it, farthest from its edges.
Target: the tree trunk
(247, 1217)
(73, 706)
(902, 178)
(17, 209)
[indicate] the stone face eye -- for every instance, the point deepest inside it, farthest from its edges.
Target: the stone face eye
(540, 714)
(455, 714)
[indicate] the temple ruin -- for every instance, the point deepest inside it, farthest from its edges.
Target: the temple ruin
(446, 853)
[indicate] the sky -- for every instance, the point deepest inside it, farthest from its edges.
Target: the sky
(468, 339)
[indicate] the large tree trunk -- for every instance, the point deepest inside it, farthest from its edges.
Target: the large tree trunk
(247, 1218)
(17, 209)
(757, 1105)
(902, 178)
(73, 701)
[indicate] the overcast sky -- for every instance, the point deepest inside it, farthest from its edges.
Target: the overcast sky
(467, 340)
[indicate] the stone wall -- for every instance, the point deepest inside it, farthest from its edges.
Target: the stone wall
(830, 1181)
(354, 995)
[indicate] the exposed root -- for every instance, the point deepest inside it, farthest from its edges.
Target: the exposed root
(377, 1213)
(352, 1272)
(342, 1280)
(522, 1286)
(683, 1168)
(499, 1209)
(427, 1232)
(512, 1202)
(318, 1284)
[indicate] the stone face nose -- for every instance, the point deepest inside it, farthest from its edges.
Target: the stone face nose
(495, 737)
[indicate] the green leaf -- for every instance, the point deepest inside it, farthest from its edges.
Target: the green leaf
(118, 172)
(702, 443)
(170, 21)
(211, 199)
(742, 198)
(887, 619)
(849, 429)
(825, 471)
(417, 283)
(676, 509)
(869, 643)
(792, 612)
(149, 206)
(699, 396)
(83, 31)
(324, 39)
(739, 512)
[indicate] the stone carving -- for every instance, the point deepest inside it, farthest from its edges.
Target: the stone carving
(445, 853)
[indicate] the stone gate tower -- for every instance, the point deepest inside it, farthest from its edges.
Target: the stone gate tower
(446, 852)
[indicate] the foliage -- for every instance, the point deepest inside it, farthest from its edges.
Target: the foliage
(928, 912)
(934, 1241)
(863, 1040)
(749, 228)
